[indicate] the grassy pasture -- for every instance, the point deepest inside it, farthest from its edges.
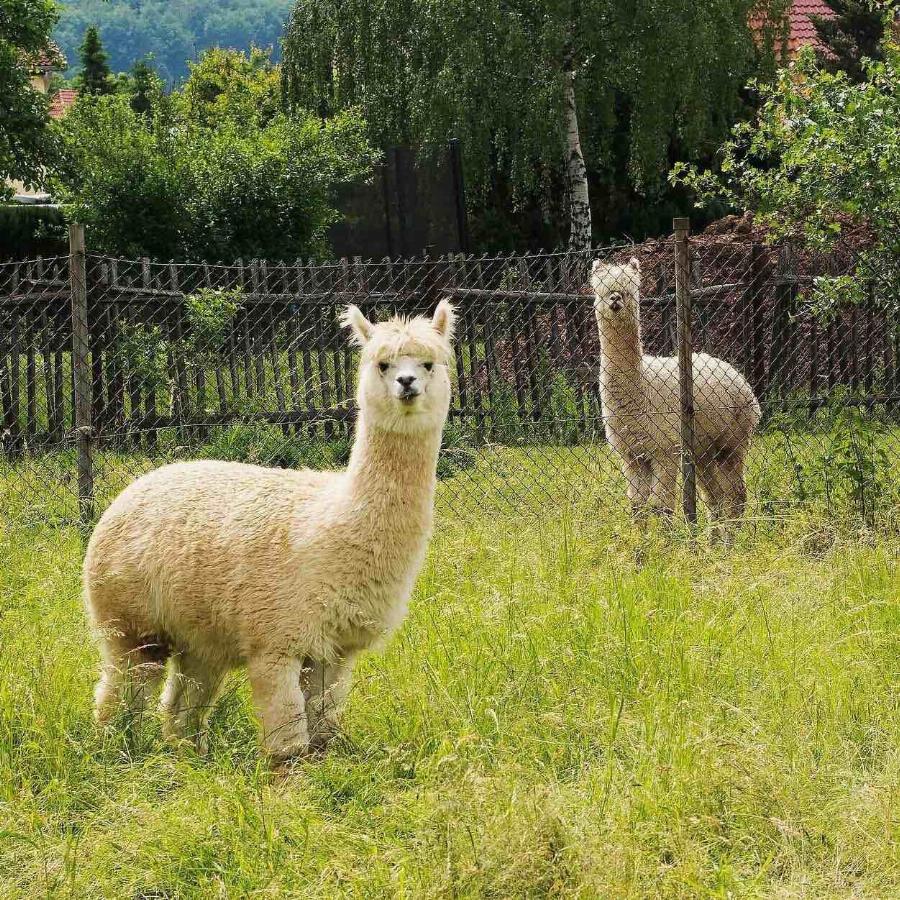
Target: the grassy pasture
(576, 706)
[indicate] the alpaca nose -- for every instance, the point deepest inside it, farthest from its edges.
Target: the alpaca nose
(405, 381)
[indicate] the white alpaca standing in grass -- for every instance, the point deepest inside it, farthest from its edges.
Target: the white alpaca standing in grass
(211, 565)
(642, 406)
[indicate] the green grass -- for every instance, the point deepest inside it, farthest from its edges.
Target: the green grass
(575, 707)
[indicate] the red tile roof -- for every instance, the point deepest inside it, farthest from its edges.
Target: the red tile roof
(49, 59)
(803, 31)
(800, 28)
(60, 104)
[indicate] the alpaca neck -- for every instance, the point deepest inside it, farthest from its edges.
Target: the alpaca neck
(391, 471)
(622, 357)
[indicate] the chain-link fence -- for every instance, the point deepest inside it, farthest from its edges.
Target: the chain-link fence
(557, 399)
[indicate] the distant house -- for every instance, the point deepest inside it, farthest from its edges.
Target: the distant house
(798, 31)
(42, 68)
(61, 102)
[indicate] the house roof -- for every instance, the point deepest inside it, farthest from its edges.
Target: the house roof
(61, 102)
(800, 30)
(50, 59)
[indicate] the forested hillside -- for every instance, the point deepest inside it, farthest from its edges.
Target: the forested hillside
(172, 30)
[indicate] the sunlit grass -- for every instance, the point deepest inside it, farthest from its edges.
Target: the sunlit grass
(575, 707)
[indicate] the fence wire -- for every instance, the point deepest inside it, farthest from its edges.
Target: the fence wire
(567, 389)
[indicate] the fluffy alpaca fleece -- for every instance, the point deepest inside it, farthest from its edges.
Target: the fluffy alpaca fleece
(208, 566)
(641, 406)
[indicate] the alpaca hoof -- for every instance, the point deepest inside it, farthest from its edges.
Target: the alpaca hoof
(284, 762)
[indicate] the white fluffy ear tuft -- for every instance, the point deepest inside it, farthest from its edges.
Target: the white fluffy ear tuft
(361, 327)
(444, 319)
(635, 264)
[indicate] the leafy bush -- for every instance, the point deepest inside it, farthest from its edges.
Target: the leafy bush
(458, 451)
(202, 178)
(143, 350)
(267, 445)
(840, 459)
(823, 150)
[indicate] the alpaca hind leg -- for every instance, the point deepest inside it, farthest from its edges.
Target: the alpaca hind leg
(188, 698)
(665, 483)
(732, 482)
(639, 476)
(328, 686)
(132, 668)
(711, 488)
(276, 683)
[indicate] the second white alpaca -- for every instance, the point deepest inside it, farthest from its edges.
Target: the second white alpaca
(213, 565)
(641, 406)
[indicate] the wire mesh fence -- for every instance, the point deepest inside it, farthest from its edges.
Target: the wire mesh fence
(569, 389)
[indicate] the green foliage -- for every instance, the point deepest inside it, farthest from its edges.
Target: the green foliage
(27, 231)
(822, 150)
(142, 350)
(26, 145)
(854, 33)
(210, 314)
(227, 86)
(458, 450)
(193, 183)
(95, 77)
(174, 31)
(650, 79)
(144, 87)
(852, 468)
(267, 445)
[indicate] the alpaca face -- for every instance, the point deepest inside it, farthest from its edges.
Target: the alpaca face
(404, 381)
(617, 291)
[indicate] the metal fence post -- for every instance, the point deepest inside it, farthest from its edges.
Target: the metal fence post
(81, 368)
(685, 366)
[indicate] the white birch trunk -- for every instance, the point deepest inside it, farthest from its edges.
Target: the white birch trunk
(576, 173)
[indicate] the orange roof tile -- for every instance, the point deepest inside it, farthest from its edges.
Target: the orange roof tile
(803, 31)
(800, 28)
(61, 102)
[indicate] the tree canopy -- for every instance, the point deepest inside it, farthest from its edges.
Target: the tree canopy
(94, 77)
(651, 79)
(855, 32)
(173, 31)
(182, 183)
(822, 150)
(25, 142)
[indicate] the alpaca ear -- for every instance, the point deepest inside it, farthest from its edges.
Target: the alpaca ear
(444, 319)
(361, 327)
(635, 264)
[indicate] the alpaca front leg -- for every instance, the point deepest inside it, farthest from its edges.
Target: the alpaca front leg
(328, 686)
(276, 683)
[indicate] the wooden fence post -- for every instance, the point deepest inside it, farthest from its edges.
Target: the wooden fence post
(685, 366)
(81, 367)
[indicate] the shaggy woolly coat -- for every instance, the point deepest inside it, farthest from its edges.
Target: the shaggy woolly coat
(642, 404)
(215, 565)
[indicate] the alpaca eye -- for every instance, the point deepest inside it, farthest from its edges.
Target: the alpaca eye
(428, 366)
(383, 366)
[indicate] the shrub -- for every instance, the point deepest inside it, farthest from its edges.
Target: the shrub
(268, 445)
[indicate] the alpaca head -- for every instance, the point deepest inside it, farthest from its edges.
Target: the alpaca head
(617, 291)
(404, 382)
